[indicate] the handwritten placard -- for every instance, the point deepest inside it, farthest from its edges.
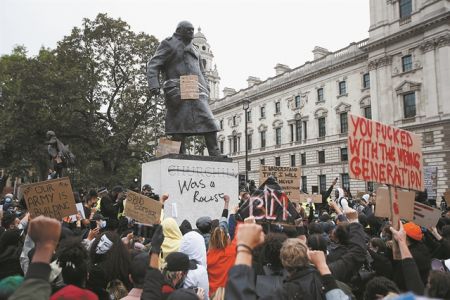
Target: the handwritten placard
(405, 203)
(51, 198)
(426, 216)
(80, 210)
(430, 181)
(189, 87)
(166, 146)
(287, 177)
(309, 198)
(384, 154)
(270, 205)
(141, 208)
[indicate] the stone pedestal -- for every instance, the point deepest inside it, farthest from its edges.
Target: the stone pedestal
(196, 184)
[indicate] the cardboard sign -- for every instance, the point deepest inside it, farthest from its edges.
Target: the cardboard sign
(384, 154)
(80, 210)
(141, 208)
(51, 198)
(447, 197)
(189, 87)
(405, 203)
(311, 197)
(287, 177)
(426, 216)
(430, 181)
(166, 146)
(272, 205)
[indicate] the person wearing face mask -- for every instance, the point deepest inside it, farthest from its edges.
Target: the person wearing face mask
(109, 260)
(168, 283)
(176, 56)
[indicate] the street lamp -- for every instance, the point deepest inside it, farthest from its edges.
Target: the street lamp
(245, 106)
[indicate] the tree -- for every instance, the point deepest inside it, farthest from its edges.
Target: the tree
(92, 91)
(109, 63)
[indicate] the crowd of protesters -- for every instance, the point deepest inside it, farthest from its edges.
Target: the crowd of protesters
(337, 249)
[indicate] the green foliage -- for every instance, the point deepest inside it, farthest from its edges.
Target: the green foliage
(92, 91)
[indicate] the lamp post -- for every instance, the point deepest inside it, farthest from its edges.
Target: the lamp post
(245, 106)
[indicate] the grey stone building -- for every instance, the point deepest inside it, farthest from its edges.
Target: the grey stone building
(399, 75)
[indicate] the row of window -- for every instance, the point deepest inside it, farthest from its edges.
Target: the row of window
(297, 100)
(407, 65)
(299, 128)
(293, 159)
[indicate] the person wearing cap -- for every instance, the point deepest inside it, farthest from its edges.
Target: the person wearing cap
(168, 283)
(192, 245)
(419, 251)
(148, 191)
(204, 225)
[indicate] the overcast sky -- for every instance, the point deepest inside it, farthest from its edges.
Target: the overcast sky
(247, 37)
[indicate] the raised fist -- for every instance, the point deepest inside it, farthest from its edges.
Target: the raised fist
(44, 231)
(250, 235)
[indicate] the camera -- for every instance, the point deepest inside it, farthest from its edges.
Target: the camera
(142, 230)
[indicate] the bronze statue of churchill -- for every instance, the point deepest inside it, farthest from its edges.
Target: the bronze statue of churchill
(175, 57)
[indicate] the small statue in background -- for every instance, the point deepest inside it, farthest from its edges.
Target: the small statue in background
(60, 155)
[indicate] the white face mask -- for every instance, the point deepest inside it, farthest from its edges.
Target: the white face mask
(103, 245)
(102, 224)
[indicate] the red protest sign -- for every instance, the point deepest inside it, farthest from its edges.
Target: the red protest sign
(384, 154)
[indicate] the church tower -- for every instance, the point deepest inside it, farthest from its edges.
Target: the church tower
(212, 75)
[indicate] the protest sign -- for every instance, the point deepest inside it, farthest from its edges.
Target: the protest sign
(287, 177)
(51, 198)
(430, 181)
(384, 154)
(80, 210)
(426, 216)
(312, 198)
(405, 203)
(166, 146)
(141, 208)
(189, 87)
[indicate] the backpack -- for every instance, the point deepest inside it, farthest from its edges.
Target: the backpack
(269, 282)
(305, 284)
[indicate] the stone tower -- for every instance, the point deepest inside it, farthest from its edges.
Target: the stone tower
(212, 75)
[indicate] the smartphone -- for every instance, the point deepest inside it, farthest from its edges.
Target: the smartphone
(92, 224)
(142, 230)
(136, 231)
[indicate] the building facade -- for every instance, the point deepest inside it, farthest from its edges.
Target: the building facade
(211, 73)
(400, 76)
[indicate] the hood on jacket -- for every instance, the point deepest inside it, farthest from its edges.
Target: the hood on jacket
(341, 192)
(193, 245)
(172, 236)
